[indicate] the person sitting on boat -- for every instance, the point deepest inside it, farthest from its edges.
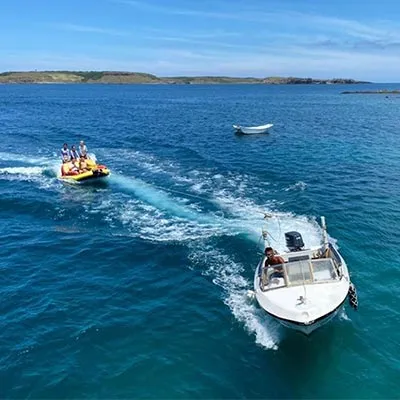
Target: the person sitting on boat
(83, 151)
(83, 167)
(65, 155)
(73, 153)
(273, 259)
(69, 168)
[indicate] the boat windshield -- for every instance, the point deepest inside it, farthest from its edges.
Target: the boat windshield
(299, 272)
(324, 270)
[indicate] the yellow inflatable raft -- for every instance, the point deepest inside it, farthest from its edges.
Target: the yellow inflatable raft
(79, 172)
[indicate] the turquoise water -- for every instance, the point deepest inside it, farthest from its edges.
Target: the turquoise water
(137, 287)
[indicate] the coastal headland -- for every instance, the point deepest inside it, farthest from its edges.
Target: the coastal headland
(384, 91)
(117, 77)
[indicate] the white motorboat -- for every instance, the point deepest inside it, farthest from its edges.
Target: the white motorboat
(249, 130)
(309, 288)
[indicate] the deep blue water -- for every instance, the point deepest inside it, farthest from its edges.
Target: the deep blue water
(136, 288)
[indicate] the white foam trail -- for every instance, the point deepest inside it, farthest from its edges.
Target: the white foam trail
(42, 165)
(226, 273)
(147, 162)
(300, 185)
(149, 222)
(343, 315)
(248, 217)
(159, 199)
(22, 170)
(173, 215)
(268, 333)
(23, 158)
(297, 186)
(37, 175)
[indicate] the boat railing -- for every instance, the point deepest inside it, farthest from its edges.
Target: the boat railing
(337, 260)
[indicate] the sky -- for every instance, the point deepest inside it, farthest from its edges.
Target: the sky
(258, 38)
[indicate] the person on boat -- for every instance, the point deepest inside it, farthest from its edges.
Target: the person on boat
(73, 153)
(83, 167)
(69, 168)
(65, 154)
(83, 151)
(273, 259)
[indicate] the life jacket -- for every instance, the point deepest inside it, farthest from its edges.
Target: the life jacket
(83, 150)
(74, 154)
(65, 154)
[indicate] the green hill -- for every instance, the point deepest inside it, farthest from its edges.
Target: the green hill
(77, 77)
(139, 77)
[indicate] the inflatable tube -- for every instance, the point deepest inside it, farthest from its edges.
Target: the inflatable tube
(69, 172)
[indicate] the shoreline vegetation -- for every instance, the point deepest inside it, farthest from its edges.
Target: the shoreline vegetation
(117, 77)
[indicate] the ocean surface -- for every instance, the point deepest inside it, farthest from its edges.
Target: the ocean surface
(137, 287)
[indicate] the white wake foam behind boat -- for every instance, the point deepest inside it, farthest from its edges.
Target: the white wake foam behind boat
(248, 130)
(309, 288)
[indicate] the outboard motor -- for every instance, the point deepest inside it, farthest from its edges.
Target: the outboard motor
(294, 241)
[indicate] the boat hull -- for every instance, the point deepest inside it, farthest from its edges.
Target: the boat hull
(248, 130)
(308, 328)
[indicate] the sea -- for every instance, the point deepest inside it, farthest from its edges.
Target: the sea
(137, 287)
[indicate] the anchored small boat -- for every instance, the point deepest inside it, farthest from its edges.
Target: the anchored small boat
(308, 288)
(249, 130)
(71, 171)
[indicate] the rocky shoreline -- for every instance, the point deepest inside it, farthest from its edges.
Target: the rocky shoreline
(372, 92)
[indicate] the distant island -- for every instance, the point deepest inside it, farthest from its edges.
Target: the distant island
(139, 77)
(384, 91)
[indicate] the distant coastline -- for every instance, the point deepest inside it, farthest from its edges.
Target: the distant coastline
(384, 91)
(116, 77)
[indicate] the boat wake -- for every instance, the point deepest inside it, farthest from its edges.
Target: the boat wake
(157, 215)
(300, 186)
(343, 315)
(197, 208)
(200, 209)
(228, 274)
(158, 198)
(23, 158)
(25, 171)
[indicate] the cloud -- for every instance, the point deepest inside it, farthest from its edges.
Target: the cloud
(207, 34)
(90, 29)
(379, 34)
(193, 41)
(241, 16)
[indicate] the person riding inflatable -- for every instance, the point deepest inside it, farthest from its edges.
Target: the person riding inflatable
(69, 168)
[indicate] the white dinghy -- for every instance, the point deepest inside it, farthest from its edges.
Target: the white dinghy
(309, 288)
(249, 130)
